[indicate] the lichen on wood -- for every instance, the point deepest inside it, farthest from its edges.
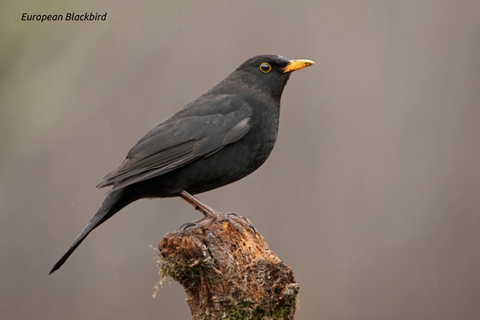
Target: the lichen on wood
(228, 272)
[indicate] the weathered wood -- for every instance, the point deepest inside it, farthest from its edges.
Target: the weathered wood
(228, 272)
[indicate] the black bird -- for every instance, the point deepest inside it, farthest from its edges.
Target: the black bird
(220, 137)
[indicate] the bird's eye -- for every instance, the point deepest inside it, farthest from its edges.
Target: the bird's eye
(265, 67)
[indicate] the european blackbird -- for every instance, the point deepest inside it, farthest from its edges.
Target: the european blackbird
(220, 137)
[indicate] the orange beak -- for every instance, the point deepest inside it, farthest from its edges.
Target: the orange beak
(296, 65)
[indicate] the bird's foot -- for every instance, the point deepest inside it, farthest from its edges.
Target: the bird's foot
(231, 217)
(212, 215)
(197, 223)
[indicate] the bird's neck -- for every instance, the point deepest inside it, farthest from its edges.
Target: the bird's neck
(246, 84)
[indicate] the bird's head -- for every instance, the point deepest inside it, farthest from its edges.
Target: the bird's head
(267, 73)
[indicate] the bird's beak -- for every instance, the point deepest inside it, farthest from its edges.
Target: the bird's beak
(297, 64)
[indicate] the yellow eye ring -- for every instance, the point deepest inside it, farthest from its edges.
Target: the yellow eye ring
(265, 67)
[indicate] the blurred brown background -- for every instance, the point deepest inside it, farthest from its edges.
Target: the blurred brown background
(372, 193)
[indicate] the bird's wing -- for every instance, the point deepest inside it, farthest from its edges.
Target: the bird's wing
(182, 139)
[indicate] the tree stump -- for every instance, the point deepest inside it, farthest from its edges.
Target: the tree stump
(228, 272)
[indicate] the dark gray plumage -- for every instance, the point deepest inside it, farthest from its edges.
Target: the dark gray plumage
(219, 138)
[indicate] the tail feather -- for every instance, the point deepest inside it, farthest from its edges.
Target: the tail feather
(113, 203)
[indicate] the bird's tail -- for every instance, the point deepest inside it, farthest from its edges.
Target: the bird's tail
(113, 203)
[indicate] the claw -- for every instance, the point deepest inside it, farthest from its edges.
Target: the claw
(254, 230)
(186, 225)
(236, 225)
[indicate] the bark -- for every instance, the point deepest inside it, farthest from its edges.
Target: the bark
(228, 272)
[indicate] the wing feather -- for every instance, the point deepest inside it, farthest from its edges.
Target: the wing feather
(183, 138)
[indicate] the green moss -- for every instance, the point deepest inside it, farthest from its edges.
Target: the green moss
(186, 275)
(276, 311)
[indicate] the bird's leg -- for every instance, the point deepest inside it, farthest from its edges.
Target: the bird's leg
(200, 206)
(209, 213)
